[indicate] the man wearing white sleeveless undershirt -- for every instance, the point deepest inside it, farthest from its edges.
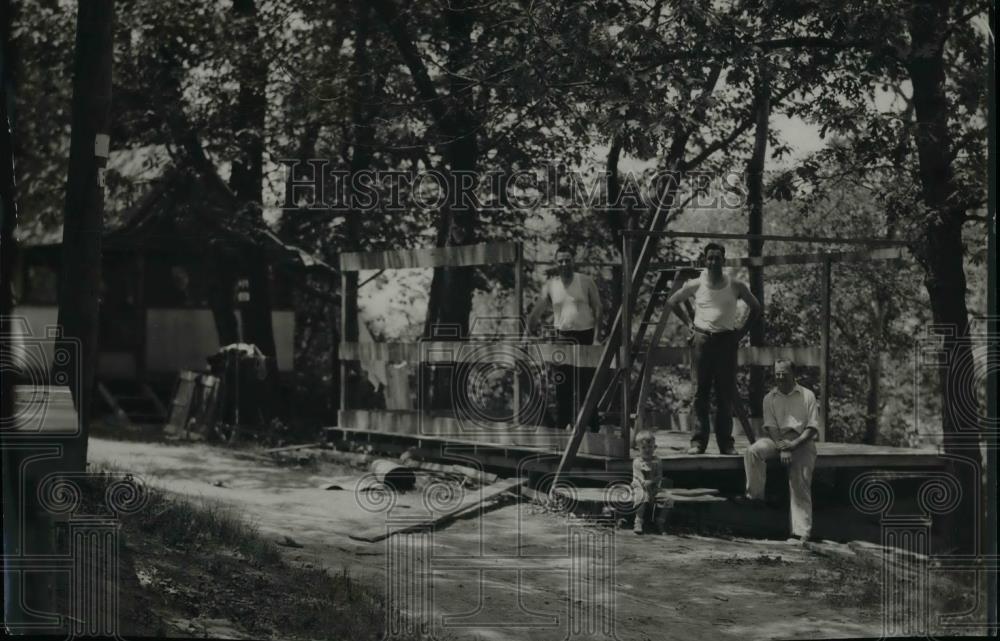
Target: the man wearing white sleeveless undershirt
(716, 330)
(576, 310)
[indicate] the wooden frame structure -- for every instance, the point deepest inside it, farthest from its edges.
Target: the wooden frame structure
(633, 275)
(806, 355)
(456, 256)
(442, 435)
(439, 352)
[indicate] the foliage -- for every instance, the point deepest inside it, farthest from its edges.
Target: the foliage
(669, 84)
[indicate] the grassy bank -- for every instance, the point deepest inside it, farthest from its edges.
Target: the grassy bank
(204, 570)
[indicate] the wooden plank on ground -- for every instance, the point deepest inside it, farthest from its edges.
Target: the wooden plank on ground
(476, 475)
(456, 256)
(351, 458)
(290, 448)
(487, 494)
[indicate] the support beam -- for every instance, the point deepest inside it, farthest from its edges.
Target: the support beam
(497, 351)
(879, 253)
(993, 332)
(824, 371)
(755, 214)
(452, 256)
(884, 253)
(869, 242)
(626, 332)
(657, 299)
(521, 326)
(474, 350)
(343, 333)
(647, 373)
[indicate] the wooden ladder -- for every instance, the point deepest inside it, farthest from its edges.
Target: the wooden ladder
(606, 381)
(604, 378)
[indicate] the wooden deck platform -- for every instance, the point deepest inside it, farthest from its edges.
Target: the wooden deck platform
(544, 450)
(672, 449)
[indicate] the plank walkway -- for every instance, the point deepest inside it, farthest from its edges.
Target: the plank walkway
(671, 447)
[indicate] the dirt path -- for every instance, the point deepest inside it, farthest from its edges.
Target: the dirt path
(507, 575)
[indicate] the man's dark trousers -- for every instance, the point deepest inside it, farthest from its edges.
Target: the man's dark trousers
(713, 359)
(573, 383)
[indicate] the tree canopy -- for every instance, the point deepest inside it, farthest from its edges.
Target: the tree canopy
(616, 90)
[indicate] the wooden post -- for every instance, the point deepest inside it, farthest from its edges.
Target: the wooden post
(142, 311)
(824, 370)
(343, 334)
(519, 311)
(625, 360)
(993, 332)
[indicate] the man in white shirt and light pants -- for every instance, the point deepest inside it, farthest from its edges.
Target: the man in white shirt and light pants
(789, 431)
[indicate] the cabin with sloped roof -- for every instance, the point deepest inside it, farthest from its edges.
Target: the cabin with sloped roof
(160, 278)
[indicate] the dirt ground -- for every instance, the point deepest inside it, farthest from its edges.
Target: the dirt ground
(508, 575)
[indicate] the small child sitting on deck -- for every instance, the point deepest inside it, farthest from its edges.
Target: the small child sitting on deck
(647, 474)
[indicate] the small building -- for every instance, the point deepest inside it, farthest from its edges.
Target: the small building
(160, 262)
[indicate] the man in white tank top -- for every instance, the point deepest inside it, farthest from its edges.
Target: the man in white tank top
(716, 332)
(576, 309)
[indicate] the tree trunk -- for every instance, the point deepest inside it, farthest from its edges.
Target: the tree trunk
(250, 108)
(246, 183)
(452, 287)
(8, 248)
(222, 284)
(613, 217)
(755, 195)
(941, 253)
(360, 149)
(361, 155)
(221, 258)
(8, 215)
(83, 224)
(459, 223)
(450, 303)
